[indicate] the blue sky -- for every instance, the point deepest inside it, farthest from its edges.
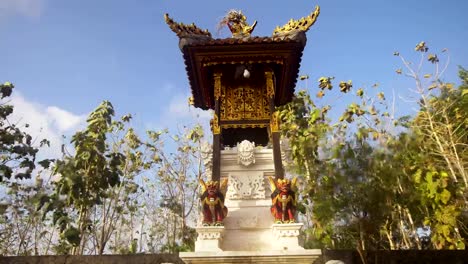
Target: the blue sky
(65, 57)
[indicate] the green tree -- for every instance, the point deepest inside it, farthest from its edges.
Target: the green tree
(84, 179)
(22, 229)
(17, 153)
(441, 128)
(174, 186)
(375, 181)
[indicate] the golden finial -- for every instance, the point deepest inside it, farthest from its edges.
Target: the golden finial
(302, 24)
(183, 30)
(237, 24)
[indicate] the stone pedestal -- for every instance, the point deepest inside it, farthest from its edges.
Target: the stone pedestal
(249, 234)
(209, 238)
(245, 257)
(287, 236)
(248, 224)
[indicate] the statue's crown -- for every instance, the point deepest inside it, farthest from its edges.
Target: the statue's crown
(284, 181)
(212, 184)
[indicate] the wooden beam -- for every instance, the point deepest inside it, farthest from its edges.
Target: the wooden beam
(274, 125)
(216, 176)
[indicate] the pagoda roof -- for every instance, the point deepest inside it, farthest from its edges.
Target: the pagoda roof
(281, 52)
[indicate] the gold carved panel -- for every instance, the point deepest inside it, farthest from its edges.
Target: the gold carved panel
(244, 103)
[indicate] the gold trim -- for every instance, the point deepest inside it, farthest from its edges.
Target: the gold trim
(224, 126)
(237, 23)
(217, 85)
(302, 24)
(183, 30)
(275, 122)
(269, 84)
(213, 63)
(215, 125)
(244, 103)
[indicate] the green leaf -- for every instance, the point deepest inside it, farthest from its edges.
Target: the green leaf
(421, 47)
(360, 92)
(445, 196)
(72, 235)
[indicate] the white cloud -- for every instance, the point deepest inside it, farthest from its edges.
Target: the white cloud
(29, 8)
(45, 122)
(62, 119)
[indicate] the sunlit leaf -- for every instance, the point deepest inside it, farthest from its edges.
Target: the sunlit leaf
(345, 86)
(421, 46)
(360, 92)
(320, 94)
(432, 58)
(381, 96)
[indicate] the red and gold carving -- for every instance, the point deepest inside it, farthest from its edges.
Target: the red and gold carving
(283, 198)
(212, 201)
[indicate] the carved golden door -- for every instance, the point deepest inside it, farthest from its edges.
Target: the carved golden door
(244, 103)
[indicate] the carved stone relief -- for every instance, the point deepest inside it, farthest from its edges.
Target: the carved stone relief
(207, 155)
(245, 153)
(210, 235)
(246, 187)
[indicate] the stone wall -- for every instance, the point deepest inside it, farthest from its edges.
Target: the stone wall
(105, 259)
(346, 256)
(396, 256)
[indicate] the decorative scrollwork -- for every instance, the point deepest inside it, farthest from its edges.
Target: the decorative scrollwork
(217, 85)
(183, 30)
(244, 103)
(246, 187)
(237, 24)
(275, 122)
(244, 125)
(215, 125)
(302, 24)
(269, 84)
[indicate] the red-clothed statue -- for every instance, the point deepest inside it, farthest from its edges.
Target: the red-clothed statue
(212, 200)
(283, 198)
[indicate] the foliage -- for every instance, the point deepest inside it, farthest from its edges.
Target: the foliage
(22, 228)
(16, 146)
(374, 181)
(369, 180)
(84, 179)
(175, 185)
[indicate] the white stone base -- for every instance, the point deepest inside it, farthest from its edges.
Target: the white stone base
(277, 256)
(209, 238)
(249, 234)
(287, 236)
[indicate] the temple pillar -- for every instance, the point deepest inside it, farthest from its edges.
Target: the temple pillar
(216, 129)
(274, 125)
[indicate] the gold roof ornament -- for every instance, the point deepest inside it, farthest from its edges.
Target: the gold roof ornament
(204, 54)
(183, 30)
(302, 24)
(237, 24)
